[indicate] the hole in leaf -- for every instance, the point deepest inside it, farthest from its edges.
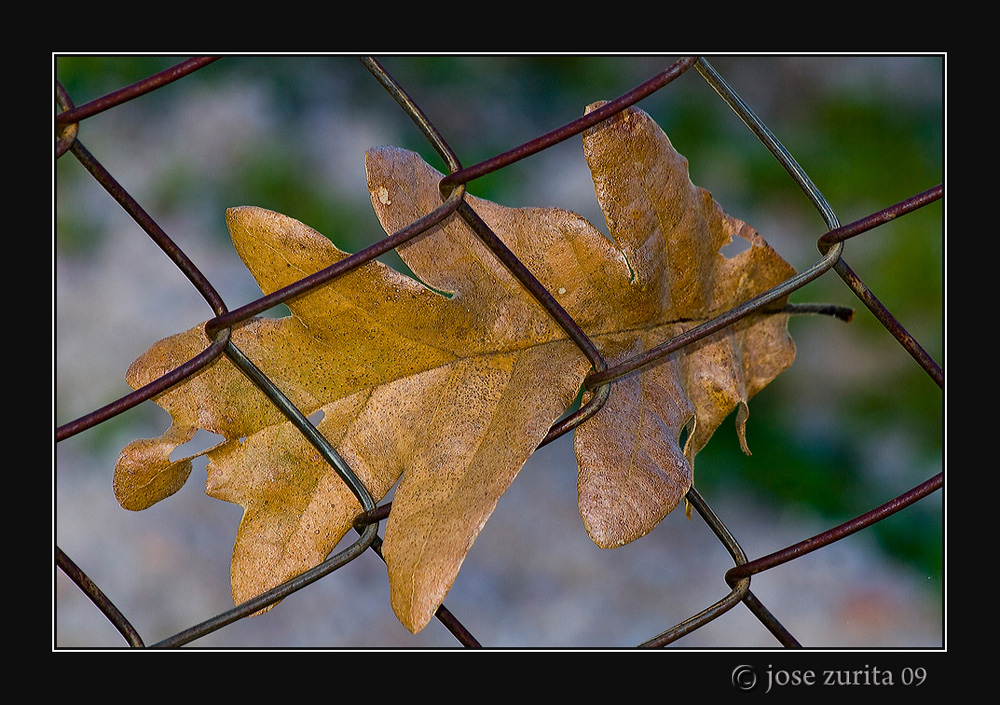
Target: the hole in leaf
(737, 246)
(202, 441)
(278, 311)
(316, 417)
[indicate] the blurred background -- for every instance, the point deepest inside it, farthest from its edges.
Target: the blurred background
(852, 424)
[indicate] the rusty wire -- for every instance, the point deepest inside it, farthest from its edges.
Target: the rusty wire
(599, 381)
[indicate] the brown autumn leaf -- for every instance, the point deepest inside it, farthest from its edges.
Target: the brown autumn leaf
(449, 383)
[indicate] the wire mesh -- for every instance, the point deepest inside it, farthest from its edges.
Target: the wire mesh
(70, 122)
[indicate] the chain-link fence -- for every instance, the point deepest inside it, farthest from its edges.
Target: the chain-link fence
(147, 604)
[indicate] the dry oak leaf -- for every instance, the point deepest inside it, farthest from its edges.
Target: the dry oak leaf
(449, 383)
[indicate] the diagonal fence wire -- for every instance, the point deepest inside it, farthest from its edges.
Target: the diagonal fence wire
(599, 382)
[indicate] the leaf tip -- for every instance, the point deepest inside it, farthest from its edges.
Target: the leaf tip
(144, 474)
(241, 215)
(742, 413)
